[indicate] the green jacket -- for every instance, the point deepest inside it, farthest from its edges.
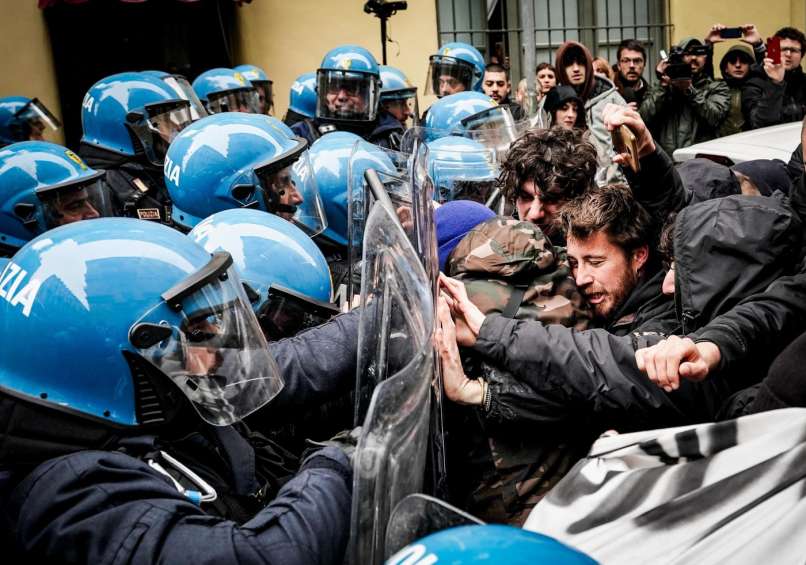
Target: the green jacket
(678, 119)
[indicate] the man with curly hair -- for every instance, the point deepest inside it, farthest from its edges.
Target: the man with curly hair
(545, 169)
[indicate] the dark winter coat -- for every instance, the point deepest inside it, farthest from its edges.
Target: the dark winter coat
(725, 250)
(94, 499)
(767, 104)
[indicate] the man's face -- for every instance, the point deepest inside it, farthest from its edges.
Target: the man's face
(696, 62)
(631, 65)
(264, 99)
(73, 206)
(496, 86)
(546, 79)
(575, 73)
(401, 109)
(284, 185)
(604, 272)
(450, 85)
(532, 208)
(791, 53)
(567, 115)
(345, 98)
(737, 68)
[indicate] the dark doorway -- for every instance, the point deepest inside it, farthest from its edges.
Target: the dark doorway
(102, 37)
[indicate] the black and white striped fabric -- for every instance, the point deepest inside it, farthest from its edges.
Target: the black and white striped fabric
(729, 492)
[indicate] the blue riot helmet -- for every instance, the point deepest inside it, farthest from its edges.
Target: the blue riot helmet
(456, 67)
(226, 90)
(398, 95)
(184, 90)
(125, 315)
(285, 274)
(446, 115)
(302, 98)
(238, 160)
(462, 169)
(348, 85)
(465, 545)
(133, 114)
(261, 82)
(43, 186)
(331, 156)
(24, 119)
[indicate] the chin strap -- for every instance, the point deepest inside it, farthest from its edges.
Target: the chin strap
(206, 493)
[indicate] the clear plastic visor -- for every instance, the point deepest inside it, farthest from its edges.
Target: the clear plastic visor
(182, 87)
(265, 96)
(73, 203)
(241, 100)
(37, 118)
(164, 123)
(212, 348)
(286, 313)
(404, 109)
(495, 129)
(455, 181)
(348, 96)
(447, 75)
(290, 191)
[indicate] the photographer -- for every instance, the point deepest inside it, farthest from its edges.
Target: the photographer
(687, 106)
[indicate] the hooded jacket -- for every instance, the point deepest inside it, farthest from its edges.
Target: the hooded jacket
(596, 93)
(766, 104)
(735, 120)
(725, 250)
(679, 119)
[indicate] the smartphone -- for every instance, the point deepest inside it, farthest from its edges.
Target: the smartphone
(624, 142)
(663, 55)
(774, 49)
(731, 33)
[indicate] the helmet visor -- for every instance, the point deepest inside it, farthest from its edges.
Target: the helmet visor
(182, 87)
(265, 96)
(458, 181)
(164, 122)
(448, 75)
(204, 336)
(495, 129)
(347, 96)
(404, 109)
(286, 313)
(290, 191)
(35, 118)
(65, 204)
(241, 100)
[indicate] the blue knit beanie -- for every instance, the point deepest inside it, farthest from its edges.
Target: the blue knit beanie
(454, 220)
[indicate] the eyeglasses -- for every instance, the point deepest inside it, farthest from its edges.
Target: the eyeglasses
(794, 50)
(637, 61)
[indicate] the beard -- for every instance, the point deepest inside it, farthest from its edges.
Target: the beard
(612, 298)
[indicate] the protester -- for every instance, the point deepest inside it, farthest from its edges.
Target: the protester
(565, 108)
(496, 85)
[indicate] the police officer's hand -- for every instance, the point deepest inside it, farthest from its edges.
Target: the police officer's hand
(457, 386)
(615, 115)
(462, 308)
(346, 440)
(666, 362)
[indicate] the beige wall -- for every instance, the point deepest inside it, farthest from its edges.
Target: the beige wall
(27, 61)
(287, 39)
(695, 17)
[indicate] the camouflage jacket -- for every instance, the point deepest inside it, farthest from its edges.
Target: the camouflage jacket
(510, 267)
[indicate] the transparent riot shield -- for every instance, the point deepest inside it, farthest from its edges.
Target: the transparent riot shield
(420, 515)
(395, 372)
(391, 167)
